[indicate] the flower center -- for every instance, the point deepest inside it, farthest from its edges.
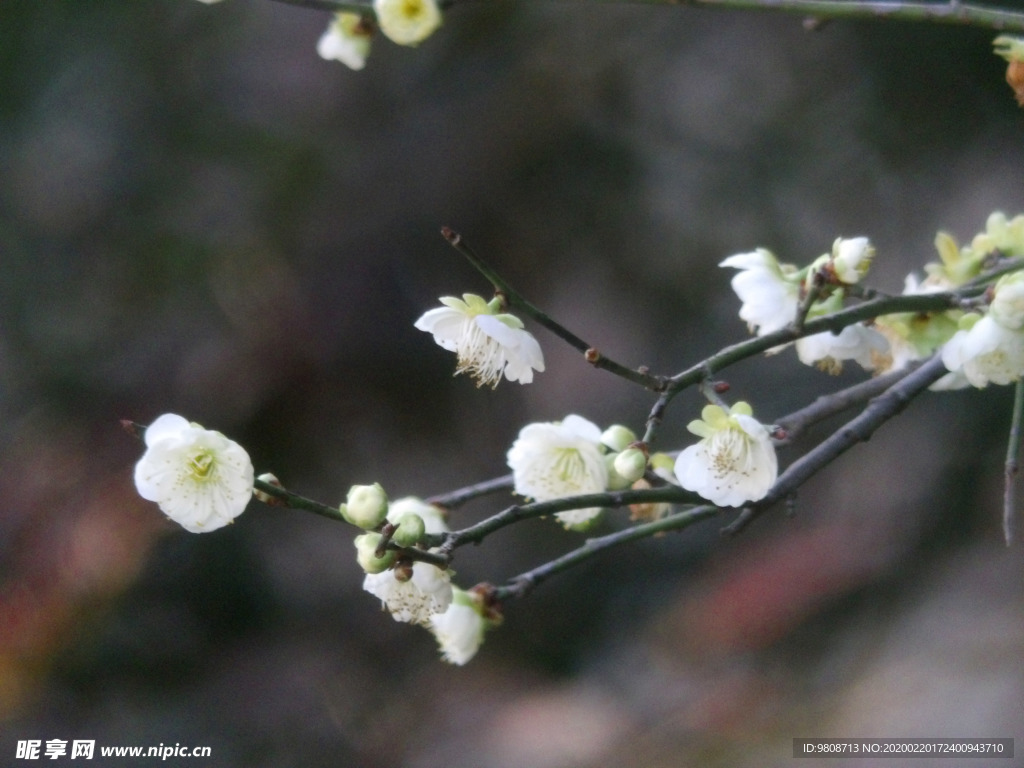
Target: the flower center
(412, 9)
(569, 467)
(200, 465)
(730, 453)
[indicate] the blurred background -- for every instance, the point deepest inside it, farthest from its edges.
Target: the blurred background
(198, 215)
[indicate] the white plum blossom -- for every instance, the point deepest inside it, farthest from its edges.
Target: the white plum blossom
(201, 479)
(412, 600)
(346, 39)
(856, 342)
(984, 353)
(851, 258)
(488, 343)
(735, 461)
(1007, 307)
(770, 291)
(552, 460)
(407, 22)
(459, 630)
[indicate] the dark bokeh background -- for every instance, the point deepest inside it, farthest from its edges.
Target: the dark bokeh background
(198, 215)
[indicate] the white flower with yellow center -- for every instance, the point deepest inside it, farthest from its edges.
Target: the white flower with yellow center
(459, 630)
(734, 463)
(770, 291)
(984, 352)
(201, 479)
(407, 22)
(346, 39)
(552, 460)
(415, 599)
(489, 343)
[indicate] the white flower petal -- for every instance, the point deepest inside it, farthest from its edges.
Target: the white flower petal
(459, 630)
(487, 348)
(732, 466)
(552, 460)
(429, 591)
(201, 479)
(988, 353)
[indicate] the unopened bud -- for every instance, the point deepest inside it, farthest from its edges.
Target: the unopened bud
(366, 553)
(265, 497)
(616, 482)
(631, 464)
(410, 530)
(618, 437)
(366, 506)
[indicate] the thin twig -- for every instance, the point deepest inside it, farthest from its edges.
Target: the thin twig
(293, 500)
(517, 512)
(460, 496)
(952, 12)
(515, 299)
(1010, 471)
(519, 585)
(828, 405)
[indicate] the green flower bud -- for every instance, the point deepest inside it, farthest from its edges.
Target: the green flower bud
(616, 482)
(366, 553)
(410, 530)
(618, 437)
(631, 464)
(366, 507)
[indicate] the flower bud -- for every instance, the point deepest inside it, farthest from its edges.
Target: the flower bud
(616, 482)
(851, 258)
(631, 464)
(410, 530)
(366, 506)
(366, 553)
(265, 497)
(618, 437)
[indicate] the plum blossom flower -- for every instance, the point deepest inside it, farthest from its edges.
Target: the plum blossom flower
(735, 461)
(1007, 307)
(201, 479)
(984, 352)
(1002, 235)
(856, 342)
(489, 343)
(459, 631)
(552, 460)
(851, 258)
(346, 39)
(407, 22)
(770, 291)
(427, 591)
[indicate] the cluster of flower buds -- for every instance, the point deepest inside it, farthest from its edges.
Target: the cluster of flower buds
(413, 591)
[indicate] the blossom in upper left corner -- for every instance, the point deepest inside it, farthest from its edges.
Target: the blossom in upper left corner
(201, 479)
(347, 39)
(489, 343)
